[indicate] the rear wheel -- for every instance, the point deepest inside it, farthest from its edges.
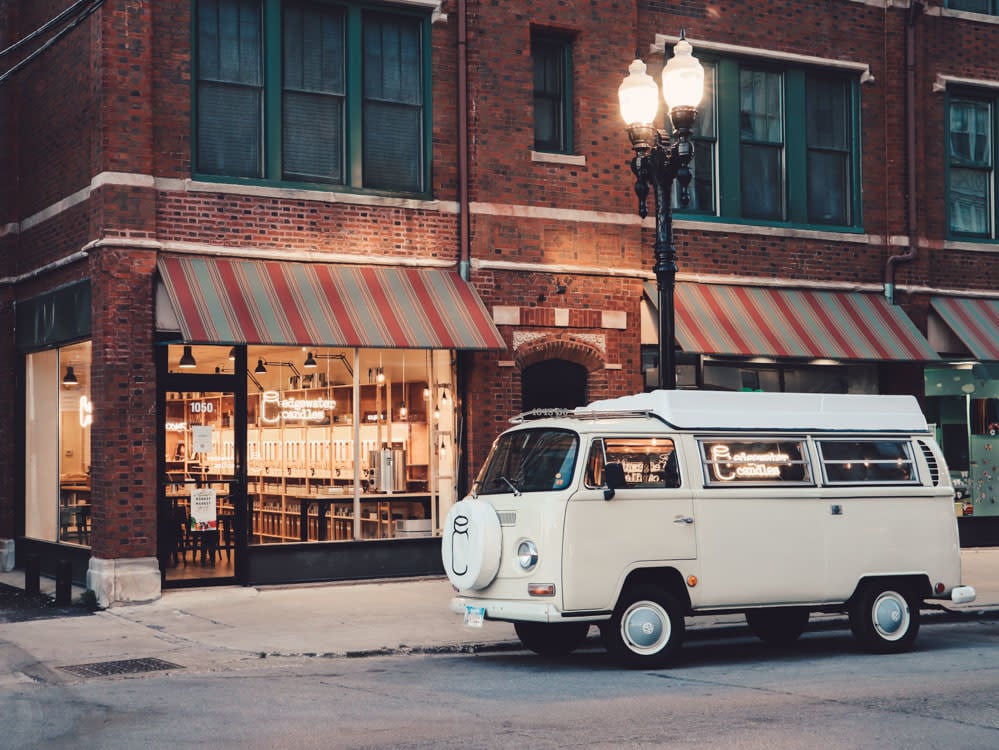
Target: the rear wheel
(778, 626)
(884, 618)
(646, 629)
(552, 639)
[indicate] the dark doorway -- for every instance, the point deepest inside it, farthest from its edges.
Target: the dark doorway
(554, 383)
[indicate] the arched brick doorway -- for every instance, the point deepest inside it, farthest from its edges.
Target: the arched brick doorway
(553, 384)
(560, 371)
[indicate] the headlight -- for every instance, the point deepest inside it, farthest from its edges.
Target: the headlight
(527, 554)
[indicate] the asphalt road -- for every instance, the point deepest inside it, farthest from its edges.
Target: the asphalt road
(733, 692)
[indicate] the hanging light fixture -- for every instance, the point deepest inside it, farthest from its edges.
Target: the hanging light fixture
(232, 354)
(69, 380)
(310, 362)
(260, 369)
(187, 359)
(403, 411)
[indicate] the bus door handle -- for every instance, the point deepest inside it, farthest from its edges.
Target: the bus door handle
(683, 519)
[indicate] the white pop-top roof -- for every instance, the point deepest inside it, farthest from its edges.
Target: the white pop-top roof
(695, 410)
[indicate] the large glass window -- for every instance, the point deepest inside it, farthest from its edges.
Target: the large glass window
(971, 173)
(342, 444)
(730, 462)
(278, 98)
(552, 93)
(867, 461)
(59, 413)
(776, 145)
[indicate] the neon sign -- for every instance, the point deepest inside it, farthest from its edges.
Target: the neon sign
(86, 412)
(274, 409)
(747, 466)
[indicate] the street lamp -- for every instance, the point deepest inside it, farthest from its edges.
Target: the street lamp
(659, 159)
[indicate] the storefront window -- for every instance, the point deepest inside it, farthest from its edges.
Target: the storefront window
(342, 444)
(347, 444)
(58, 415)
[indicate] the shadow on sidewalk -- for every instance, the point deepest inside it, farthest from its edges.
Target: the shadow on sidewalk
(18, 606)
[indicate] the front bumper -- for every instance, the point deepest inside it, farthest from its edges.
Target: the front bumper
(517, 611)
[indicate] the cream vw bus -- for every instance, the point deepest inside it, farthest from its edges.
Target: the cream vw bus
(634, 513)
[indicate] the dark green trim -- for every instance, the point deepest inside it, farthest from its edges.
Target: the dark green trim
(271, 33)
(729, 140)
(795, 143)
(61, 316)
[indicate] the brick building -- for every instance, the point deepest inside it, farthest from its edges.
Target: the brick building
(282, 270)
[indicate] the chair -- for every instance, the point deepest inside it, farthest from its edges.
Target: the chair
(181, 542)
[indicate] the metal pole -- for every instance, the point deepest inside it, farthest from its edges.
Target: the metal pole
(665, 270)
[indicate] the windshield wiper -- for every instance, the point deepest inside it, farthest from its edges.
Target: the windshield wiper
(511, 485)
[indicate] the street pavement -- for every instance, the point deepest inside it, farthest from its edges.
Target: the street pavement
(221, 627)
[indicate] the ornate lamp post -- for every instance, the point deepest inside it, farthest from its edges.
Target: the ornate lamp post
(660, 158)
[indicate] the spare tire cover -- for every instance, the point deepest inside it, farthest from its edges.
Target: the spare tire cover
(470, 547)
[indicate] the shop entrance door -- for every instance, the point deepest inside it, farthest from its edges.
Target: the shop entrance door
(202, 488)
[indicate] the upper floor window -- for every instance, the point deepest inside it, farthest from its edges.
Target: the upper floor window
(552, 58)
(312, 92)
(776, 145)
(971, 172)
(975, 6)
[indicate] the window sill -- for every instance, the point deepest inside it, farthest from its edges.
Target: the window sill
(546, 157)
(713, 224)
(323, 194)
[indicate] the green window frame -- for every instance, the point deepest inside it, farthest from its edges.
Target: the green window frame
(987, 7)
(971, 157)
(552, 64)
(313, 93)
(777, 145)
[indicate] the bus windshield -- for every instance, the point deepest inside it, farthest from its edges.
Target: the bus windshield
(529, 461)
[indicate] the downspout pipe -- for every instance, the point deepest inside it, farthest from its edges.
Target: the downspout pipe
(464, 242)
(464, 213)
(916, 8)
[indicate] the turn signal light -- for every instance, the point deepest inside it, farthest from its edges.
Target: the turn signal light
(940, 588)
(691, 581)
(541, 589)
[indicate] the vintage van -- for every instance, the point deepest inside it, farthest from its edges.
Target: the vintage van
(634, 513)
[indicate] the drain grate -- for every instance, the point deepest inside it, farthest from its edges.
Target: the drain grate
(125, 666)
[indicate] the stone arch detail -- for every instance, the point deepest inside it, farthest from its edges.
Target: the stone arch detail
(560, 346)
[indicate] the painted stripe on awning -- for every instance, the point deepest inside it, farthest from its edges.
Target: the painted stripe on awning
(798, 323)
(975, 321)
(242, 301)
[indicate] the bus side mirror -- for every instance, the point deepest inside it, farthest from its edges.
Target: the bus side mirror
(614, 478)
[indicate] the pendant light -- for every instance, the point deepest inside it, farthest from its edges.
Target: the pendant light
(187, 359)
(69, 380)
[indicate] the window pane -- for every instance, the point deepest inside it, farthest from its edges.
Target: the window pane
(549, 94)
(760, 106)
(970, 129)
(230, 81)
(313, 137)
(762, 194)
(826, 105)
(969, 201)
(393, 103)
(229, 130)
(312, 119)
(827, 187)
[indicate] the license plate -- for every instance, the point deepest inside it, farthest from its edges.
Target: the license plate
(474, 616)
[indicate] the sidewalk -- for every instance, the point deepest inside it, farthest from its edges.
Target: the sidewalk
(212, 627)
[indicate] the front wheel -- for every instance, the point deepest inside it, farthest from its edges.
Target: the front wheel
(552, 639)
(884, 619)
(646, 629)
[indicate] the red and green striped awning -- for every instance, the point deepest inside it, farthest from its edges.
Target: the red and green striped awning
(799, 323)
(975, 321)
(241, 301)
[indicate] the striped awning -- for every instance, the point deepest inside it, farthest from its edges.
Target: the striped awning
(974, 321)
(799, 323)
(241, 301)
